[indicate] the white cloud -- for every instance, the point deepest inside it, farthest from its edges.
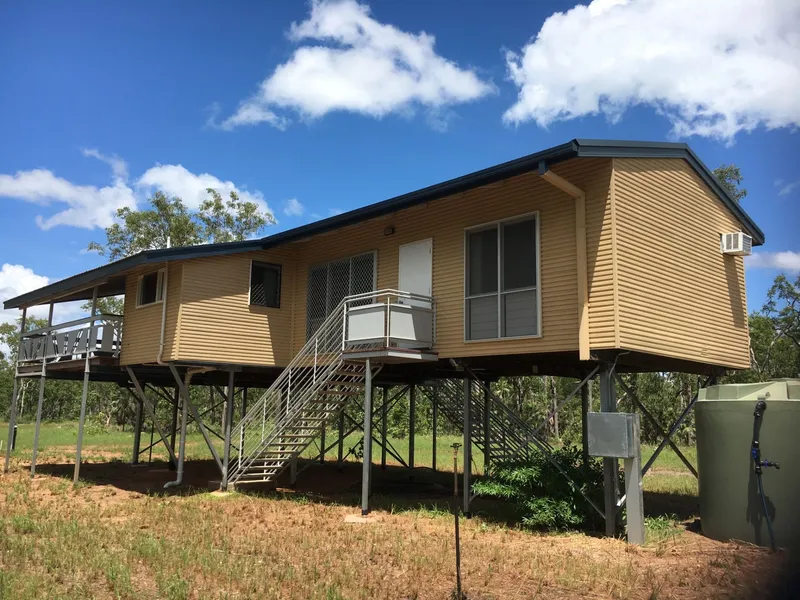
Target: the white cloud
(335, 211)
(713, 68)
(118, 166)
(786, 189)
(87, 206)
(293, 208)
(351, 62)
(782, 261)
(176, 180)
(18, 279)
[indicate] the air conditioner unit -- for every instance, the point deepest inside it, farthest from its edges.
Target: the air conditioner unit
(736, 244)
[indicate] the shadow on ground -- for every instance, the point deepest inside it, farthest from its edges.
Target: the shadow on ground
(394, 488)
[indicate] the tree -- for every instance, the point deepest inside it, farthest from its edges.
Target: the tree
(169, 223)
(730, 177)
(783, 308)
(232, 220)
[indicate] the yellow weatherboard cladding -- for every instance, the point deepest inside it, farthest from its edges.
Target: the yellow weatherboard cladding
(644, 270)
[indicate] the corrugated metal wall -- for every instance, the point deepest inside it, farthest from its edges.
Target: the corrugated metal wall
(678, 295)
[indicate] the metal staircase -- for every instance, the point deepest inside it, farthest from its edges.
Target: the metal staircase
(325, 374)
(309, 392)
(492, 424)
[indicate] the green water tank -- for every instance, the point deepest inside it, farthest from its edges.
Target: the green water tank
(730, 506)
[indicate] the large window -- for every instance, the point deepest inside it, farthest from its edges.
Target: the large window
(330, 283)
(502, 280)
(151, 288)
(265, 284)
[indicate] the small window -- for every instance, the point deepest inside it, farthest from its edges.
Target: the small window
(265, 284)
(151, 288)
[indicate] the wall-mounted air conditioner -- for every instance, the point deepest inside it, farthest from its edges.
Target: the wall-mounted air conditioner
(736, 244)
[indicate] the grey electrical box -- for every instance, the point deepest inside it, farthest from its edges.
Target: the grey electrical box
(611, 435)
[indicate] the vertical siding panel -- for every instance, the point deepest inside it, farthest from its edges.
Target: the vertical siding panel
(679, 296)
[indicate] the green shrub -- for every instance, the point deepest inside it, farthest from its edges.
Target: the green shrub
(544, 497)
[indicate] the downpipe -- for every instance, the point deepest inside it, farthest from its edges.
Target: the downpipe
(759, 464)
(163, 313)
(184, 418)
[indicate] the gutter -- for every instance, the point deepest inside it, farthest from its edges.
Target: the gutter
(580, 240)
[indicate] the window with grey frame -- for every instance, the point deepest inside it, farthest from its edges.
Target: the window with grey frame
(502, 280)
(330, 283)
(265, 284)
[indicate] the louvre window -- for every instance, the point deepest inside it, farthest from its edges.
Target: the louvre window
(265, 284)
(151, 288)
(330, 283)
(502, 280)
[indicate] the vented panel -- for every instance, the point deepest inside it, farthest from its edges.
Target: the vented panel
(330, 283)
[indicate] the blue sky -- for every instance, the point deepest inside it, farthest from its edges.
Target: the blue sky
(100, 103)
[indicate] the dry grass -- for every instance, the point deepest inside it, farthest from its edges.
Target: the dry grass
(106, 542)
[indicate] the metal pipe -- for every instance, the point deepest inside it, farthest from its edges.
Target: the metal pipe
(184, 421)
(165, 286)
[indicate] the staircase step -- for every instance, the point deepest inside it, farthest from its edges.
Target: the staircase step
(338, 393)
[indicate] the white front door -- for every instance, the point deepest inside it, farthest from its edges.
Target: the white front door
(416, 270)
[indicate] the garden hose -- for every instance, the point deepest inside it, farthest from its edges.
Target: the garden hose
(759, 464)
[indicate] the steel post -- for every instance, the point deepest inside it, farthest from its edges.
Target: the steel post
(608, 403)
(12, 411)
(486, 430)
(435, 418)
(384, 417)
(467, 444)
(340, 454)
(227, 422)
(85, 391)
(241, 430)
(41, 397)
(367, 459)
(412, 423)
(137, 431)
(586, 404)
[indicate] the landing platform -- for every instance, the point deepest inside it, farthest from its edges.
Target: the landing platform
(391, 355)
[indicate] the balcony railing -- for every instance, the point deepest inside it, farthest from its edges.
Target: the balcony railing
(98, 336)
(391, 319)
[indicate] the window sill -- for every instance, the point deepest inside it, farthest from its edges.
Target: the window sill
(504, 339)
(157, 302)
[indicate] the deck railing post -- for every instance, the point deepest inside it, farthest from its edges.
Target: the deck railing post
(486, 430)
(586, 405)
(85, 391)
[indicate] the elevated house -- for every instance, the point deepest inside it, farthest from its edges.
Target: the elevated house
(585, 259)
